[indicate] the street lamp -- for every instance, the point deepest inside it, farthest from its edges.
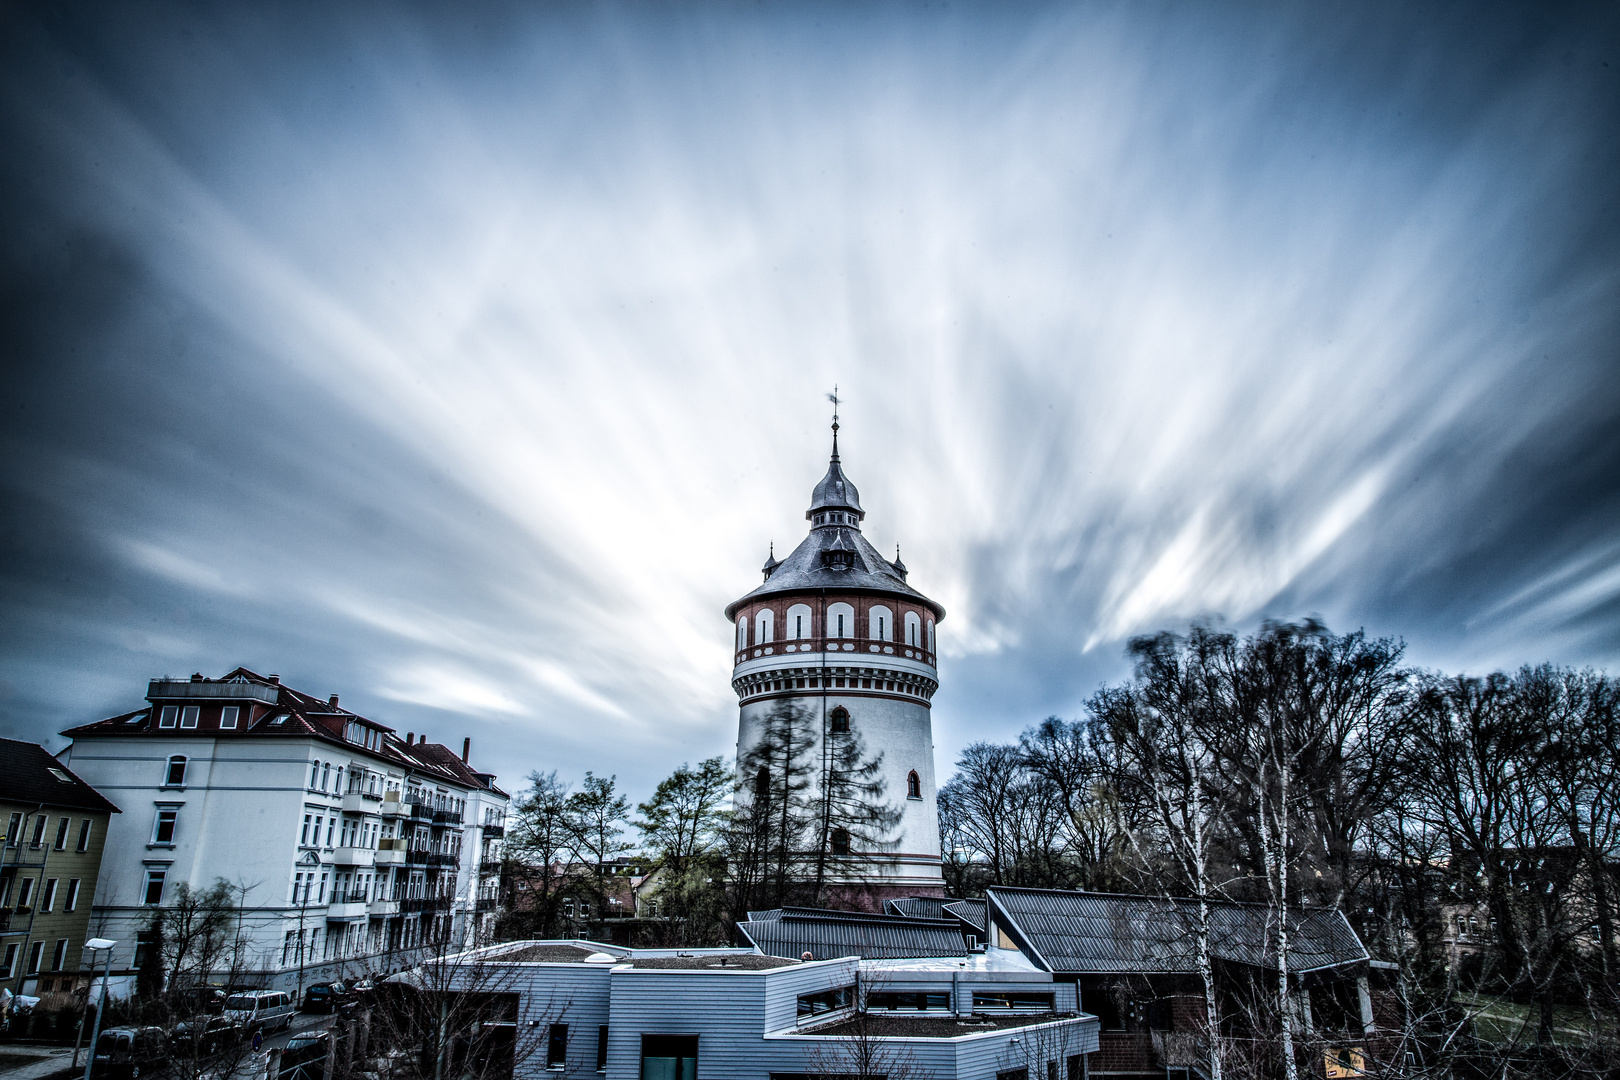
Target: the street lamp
(98, 944)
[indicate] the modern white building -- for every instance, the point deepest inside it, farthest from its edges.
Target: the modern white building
(350, 848)
(588, 1010)
(836, 636)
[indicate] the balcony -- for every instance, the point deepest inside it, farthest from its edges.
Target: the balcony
(417, 856)
(487, 903)
(353, 856)
(446, 817)
(493, 829)
(169, 689)
(420, 904)
(444, 859)
(361, 802)
(384, 908)
(392, 807)
(352, 906)
(390, 852)
(419, 811)
(490, 866)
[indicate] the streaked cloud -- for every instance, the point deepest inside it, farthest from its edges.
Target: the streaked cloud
(468, 369)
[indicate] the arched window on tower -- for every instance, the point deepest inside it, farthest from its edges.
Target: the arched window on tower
(798, 622)
(880, 624)
(742, 632)
(840, 841)
(913, 785)
(762, 783)
(840, 620)
(913, 630)
(931, 637)
(839, 720)
(764, 626)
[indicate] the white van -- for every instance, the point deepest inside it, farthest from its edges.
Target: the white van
(261, 1010)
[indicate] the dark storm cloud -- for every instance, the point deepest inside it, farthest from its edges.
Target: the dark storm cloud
(464, 363)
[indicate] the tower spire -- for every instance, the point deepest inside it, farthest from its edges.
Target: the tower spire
(836, 401)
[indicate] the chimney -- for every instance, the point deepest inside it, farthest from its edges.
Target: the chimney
(332, 701)
(410, 736)
(275, 680)
(466, 749)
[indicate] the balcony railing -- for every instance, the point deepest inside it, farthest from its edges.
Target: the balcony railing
(494, 828)
(487, 903)
(446, 817)
(417, 856)
(440, 858)
(353, 896)
(490, 866)
(420, 811)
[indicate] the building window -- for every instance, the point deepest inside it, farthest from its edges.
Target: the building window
(840, 620)
(913, 785)
(1019, 1002)
(163, 825)
(71, 900)
(39, 833)
(326, 775)
(669, 1057)
(742, 632)
(764, 626)
(557, 1046)
(798, 621)
(840, 720)
(168, 717)
(931, 636)
(840, 841)
(25, 892)
(188, 716)
(601, 1048)
(61, 834)
(59, 954)
(762, 783)
(913, 629)
(880, 622)
(146, 946)
(84, 835)
(227, 717)
(8, 962)
(35, 954)
(47, 898)
(826, 1001)
(314, 774)
(14, 830)
(176, 776)
(303, 837)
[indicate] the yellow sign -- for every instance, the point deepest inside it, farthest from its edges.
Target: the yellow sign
(1344, 1063)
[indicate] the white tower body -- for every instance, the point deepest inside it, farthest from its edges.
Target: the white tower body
(836, 627)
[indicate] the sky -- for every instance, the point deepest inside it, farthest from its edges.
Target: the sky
(466, 360)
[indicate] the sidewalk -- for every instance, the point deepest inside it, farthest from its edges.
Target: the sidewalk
(48, 1061)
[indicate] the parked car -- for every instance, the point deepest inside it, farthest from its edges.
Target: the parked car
(304, 1057)
(203, 1037)
(127, 1053)
(324, 997)
(261, 1010)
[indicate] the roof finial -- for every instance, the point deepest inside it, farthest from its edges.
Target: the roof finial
(836, 401)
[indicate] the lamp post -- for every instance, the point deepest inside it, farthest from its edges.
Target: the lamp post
(99, 944)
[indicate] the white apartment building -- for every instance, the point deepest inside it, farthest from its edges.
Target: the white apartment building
(350, 848)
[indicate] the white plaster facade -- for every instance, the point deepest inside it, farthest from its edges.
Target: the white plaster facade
(341, 838)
